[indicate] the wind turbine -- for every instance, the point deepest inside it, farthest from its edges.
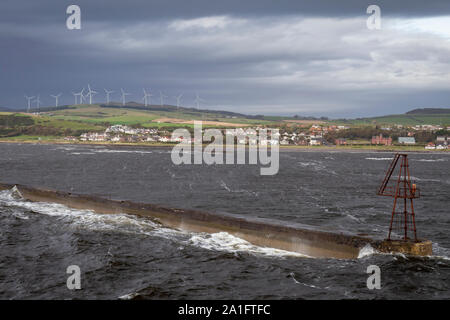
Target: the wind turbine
(38, 102)
(107, 95)
(90, 93)
(162, 96)
(198, 100)
(147, 95)
(123, 96)
(29, 102)
(83, 96)
(56, 98)
(75, 95)
(178, 100)
(79, 94)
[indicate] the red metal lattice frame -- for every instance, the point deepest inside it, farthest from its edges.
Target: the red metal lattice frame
(403, 189)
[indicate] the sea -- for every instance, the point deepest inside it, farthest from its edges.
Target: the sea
(126, 257)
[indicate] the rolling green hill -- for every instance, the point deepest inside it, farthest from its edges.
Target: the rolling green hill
(433, 116)
(151, 116)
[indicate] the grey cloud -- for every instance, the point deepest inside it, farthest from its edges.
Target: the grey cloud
(49, 11)
(261, 58)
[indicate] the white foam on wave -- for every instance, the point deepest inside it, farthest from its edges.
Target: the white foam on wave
(315, 164)
(366, 251)
(223, 241)
(121, 151)
(424, 179)
(431, 160)
(224, 185)
(87, 219)
(129, 296)
(441, 253)
(379, 159)
(227, 188)
(292, 275)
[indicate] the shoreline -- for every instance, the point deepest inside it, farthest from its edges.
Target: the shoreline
(281, 147)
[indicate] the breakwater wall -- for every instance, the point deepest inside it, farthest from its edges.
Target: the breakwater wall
(261, 232)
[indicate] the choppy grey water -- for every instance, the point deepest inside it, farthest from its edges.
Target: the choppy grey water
(121, 255)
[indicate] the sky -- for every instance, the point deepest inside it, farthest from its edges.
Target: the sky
(307, 58)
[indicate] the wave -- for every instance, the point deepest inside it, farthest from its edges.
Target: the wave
(88, 219)
(124, 223)
(430, 160)
(315, 164)
(366, 251)
(224, 185)
(440, 253)
(223, 241)
(379, 159)
(129, 296)
(292, 275)
(227, 188)
(424, 179)
(121, 151)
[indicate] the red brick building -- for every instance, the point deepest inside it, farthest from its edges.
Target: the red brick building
(340, 142)
(382, 140)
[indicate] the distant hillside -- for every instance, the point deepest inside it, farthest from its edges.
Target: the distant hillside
(433, 116)
(176, 112)
(132, 113)
(428, 111)
(170, 108)
(141, 107)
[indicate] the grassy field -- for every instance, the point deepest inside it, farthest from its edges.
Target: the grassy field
(66, 124)
(97, 115)
(28, 138)
(402, 119)
(13, 121)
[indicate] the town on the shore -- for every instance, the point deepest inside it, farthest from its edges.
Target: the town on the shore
(428, 136)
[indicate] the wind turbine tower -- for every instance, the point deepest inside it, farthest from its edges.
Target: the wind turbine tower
(198, 100)
(56, 98)
(90, 93)
(178, 99)
(79, 94)
(162, 96)
(29, 102)
(38, 102)
(123, 96)
(75, 95)
(147, 95)
(107, 95)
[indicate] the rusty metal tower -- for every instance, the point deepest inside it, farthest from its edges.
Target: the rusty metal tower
(402, 218)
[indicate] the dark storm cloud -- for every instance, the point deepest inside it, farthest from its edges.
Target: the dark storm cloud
(45, 11)
(270, 57)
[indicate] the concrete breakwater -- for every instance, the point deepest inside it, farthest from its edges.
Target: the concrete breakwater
(261, 232)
